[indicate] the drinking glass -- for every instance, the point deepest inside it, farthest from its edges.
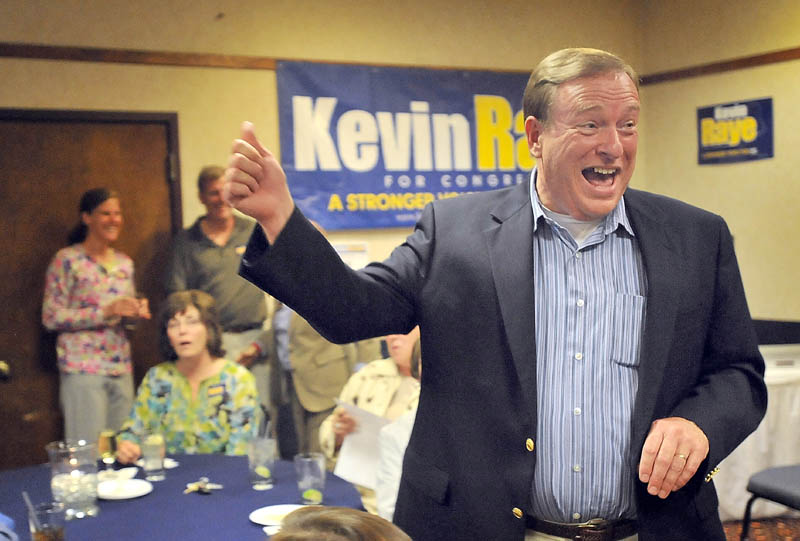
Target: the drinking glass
(261, 455)
(73, 466)
(310, 468)
(153, 451)
(46, 521)
(107, 447)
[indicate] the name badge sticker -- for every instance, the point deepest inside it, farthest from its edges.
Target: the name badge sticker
(216, 390)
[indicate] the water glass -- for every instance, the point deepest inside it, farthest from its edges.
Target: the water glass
(261, 456)
(73, 466)
(153, 451)
(46, 521)
(310, 468)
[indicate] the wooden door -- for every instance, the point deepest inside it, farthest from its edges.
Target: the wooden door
(47, 160)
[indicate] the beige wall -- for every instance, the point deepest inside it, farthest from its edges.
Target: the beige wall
(514, 34)
(760, 200)
(211, 103)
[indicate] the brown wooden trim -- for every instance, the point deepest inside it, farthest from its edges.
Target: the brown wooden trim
(720, 67)
(169, 120)
(166, 58)
(130, 56)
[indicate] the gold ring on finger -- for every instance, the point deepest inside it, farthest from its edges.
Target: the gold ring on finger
(681, 456)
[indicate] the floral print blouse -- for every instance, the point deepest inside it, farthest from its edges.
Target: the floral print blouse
(77, 287)
(222, 418)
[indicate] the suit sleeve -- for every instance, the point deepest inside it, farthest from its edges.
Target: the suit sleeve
(730, 398)
(302, 270)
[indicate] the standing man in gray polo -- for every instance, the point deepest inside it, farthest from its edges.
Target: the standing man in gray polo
(206, 257)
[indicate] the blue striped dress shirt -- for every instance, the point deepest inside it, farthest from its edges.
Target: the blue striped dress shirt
(590, 306)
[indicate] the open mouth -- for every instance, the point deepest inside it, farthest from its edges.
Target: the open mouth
(600, 175)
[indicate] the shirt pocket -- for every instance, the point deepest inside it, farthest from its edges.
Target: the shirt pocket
(627, 322)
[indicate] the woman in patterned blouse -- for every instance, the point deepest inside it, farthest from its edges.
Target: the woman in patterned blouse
(88, 291)
(198, 400)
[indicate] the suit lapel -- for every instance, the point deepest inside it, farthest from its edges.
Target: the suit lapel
(663, 269)
(510, 244)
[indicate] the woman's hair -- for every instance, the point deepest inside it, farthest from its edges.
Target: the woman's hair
(177, 303)
(318, 523)
(90, 200)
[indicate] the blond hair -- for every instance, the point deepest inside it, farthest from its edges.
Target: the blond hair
(566, 65)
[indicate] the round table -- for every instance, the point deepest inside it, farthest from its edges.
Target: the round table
(167, 513)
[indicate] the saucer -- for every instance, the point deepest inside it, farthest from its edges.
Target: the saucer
(123, 489)
(120, 474)
(271, 530)
(272, 515)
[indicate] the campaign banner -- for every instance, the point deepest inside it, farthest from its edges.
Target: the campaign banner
(369, 147)
(735, 132)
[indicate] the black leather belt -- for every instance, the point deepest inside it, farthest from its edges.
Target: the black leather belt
(243, 328)
(593, 530)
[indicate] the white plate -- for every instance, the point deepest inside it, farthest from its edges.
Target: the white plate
(272, 515)
(122, 473)
(169, 463)
(123, 489)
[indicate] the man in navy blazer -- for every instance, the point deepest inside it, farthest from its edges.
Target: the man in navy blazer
(468, 276)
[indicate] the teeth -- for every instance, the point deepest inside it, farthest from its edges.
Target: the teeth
(604, 171)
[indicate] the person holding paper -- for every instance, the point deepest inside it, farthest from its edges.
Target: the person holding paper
(385, 387)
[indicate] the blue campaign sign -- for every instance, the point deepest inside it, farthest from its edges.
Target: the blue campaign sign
(369, 147)
(735, 132)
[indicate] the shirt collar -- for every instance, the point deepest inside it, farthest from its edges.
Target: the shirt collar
(616, 218)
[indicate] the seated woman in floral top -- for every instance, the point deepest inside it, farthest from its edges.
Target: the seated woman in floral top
(199, 401)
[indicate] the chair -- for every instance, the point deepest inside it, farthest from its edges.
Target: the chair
(780, 485)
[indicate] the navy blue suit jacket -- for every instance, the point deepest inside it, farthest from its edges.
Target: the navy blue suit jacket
(465, 276)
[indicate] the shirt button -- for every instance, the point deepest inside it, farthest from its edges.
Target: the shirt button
(577, 411)
(529, 444)
(578, 255)
(576, 516)
(580, 302)
(517, 512)
(579, 356)
(576, 468)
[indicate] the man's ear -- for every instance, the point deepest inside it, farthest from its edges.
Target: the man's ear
(533, 129)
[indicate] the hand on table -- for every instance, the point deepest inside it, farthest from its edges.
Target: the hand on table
(255, 184)
(127, 452)
(672, 452)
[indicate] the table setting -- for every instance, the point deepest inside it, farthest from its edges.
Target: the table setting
(197, 496)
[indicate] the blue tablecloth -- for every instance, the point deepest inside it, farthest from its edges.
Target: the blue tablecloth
(166, 513)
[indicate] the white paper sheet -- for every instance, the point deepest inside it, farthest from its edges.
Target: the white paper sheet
(358, 456)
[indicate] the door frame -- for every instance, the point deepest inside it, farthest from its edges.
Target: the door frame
(169, 120)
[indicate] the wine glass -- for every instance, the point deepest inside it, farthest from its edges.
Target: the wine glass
(107, 447)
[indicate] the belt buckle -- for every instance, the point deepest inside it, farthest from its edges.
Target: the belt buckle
(594, 524)
(596, 528)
